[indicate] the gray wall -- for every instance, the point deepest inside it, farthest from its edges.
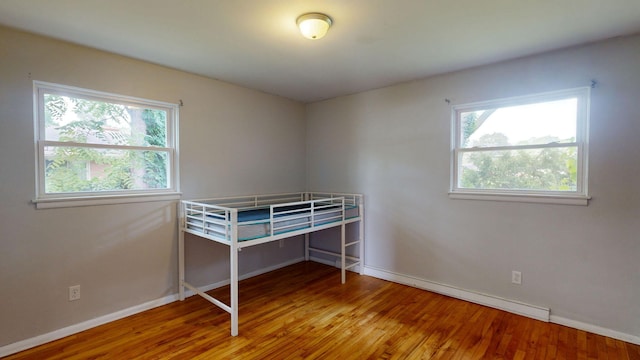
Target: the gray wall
(392, 144)
(232, 141)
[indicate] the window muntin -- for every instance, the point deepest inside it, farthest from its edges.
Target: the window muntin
(94, 144)
(531, 145)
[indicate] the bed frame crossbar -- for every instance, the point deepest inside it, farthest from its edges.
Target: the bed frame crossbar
(211, 299)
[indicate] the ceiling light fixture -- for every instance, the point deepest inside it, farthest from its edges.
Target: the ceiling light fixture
(314, 25)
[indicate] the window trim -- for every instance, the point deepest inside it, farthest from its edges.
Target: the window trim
(578, 197)
(43, 200)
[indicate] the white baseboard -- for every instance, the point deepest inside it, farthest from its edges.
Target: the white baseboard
(512, 306)
(86, 325)
(595, 329)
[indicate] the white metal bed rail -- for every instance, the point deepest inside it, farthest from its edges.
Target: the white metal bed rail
(303, 214)
(212, 220)
(349, 199)
(252, 201)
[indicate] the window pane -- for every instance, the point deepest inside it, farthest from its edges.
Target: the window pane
(81, 169)
(97, 122)
(548, 169)
(531, 124)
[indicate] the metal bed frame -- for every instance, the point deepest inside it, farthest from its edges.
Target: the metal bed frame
(217, 220)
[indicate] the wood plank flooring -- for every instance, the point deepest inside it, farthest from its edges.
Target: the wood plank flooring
(303, 312)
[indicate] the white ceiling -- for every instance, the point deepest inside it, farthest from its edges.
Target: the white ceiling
(373, 43)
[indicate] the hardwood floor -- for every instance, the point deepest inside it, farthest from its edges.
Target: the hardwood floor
(302, 312)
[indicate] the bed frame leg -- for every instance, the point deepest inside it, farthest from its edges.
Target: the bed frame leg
(306, 247)
(181, 265)
(343, 260)
(361, 237)
(233, 264)
(234, 290)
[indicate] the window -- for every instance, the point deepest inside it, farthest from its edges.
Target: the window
(530, 148)
(94, 147)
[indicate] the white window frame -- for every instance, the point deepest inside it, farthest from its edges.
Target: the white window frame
(578, 197)
(45, 200)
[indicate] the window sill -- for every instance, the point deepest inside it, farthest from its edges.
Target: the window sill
(578, 200)
(64, 202)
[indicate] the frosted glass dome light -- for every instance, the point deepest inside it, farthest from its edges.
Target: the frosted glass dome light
(314, 25)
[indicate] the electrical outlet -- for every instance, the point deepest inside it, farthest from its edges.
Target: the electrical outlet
(281, 243)
(74, 292)
(516, 277)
